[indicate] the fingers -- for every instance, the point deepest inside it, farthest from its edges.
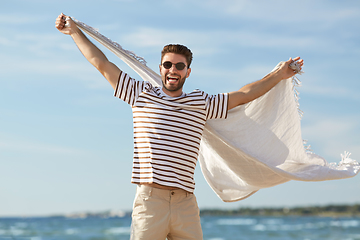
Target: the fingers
(60, 21)
(297, 59)
(300, 61)
(295, 66)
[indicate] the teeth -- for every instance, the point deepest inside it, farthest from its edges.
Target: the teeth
(172, 79)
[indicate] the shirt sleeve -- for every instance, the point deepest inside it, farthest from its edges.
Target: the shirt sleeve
(217, 106)
(128, 89)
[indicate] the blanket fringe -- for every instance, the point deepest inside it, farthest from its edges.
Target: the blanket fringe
(345, 158)
(346, 161)
(109, 41)
(307, 146)
(297, 83)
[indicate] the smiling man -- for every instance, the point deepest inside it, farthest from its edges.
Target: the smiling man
(168, 125)
(175, 68)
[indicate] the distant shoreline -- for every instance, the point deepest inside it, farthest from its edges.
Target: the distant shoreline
(320, 211)
(334, 211)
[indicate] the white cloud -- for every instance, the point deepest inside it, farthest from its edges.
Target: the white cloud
(37, 70)
(331, 134)
(154, 37)
(235, 75)
(333, 91)
(283, 11)
(28, 146)
(6, 42)
(42, 44)
(20, 19)
(47, 56)
(107, 27)
(230, 7)
(330, 127)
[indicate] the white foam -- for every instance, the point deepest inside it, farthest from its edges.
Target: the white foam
(16, 232)
(272, 221)
(118, 231)
(35, 238)
(345, 223)
(259, 227)
(237, 221)
(21, 224)
(71, 231)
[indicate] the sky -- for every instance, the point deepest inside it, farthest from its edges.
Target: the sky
(66, 142)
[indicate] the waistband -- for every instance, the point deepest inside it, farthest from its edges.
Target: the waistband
(165, 192)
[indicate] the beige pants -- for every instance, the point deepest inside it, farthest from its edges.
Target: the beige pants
(159, 214)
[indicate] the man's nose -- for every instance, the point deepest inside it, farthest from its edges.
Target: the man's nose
(173, 68)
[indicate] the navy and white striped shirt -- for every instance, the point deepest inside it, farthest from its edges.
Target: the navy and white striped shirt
(167, 131)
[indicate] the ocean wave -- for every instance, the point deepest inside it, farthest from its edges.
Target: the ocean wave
(236, 221)
(345, 223)
(118, 231)
(71, 231)
(305, 226)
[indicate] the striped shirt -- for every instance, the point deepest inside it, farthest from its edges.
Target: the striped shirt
(167, 131)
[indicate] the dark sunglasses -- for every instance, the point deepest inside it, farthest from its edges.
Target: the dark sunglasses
(179, 66)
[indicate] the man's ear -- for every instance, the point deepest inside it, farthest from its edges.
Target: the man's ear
(188, 72)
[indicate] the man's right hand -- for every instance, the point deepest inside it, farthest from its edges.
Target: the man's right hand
(60, 22)
(93, 54)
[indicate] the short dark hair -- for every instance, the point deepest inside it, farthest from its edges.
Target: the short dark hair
(178, 49)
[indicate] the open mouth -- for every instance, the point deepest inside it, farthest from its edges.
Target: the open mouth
(172, 79)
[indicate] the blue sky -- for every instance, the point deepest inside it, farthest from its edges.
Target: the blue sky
(66, 142)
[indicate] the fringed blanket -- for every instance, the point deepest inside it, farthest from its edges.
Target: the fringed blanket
(258, 146)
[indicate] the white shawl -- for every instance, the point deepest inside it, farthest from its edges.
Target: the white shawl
(258, 146)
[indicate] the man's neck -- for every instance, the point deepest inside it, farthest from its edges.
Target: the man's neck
(177, 93)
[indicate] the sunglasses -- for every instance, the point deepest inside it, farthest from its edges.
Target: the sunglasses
(179, 66)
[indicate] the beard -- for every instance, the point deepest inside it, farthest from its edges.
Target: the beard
(173, 88)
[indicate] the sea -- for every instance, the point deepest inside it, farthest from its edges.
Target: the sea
(214, 228)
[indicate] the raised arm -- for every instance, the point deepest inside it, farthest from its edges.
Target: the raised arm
(256, 89)
(93, 54)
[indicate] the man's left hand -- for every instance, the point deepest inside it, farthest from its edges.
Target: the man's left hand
(285, 71)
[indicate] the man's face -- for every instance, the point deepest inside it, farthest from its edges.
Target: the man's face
(173, 79)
